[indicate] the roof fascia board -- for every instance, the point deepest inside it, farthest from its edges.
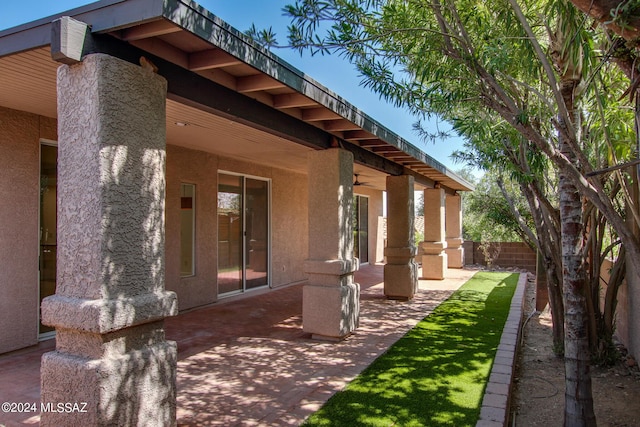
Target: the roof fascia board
(199, 21)
(105, 15)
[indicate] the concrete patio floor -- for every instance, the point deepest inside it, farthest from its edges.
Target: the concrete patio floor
(246, 361)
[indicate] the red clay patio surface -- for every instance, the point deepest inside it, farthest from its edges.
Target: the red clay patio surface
(246, 361)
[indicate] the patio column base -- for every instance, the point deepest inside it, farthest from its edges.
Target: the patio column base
(116, 388)
(434, 260)
(331, 312)
(434, 267)
(400, 273)
(455, 253)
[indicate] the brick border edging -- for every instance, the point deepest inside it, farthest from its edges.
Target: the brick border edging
(497, 396)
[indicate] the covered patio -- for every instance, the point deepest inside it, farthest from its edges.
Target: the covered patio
(247, 361)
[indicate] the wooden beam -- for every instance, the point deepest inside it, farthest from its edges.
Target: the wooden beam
(150, 29)
(387, 149)
(199, 92)
(293, 100)
(211, 58)
(319, 114)
(340, 125)
(358, 135)
(256, 83)
(369, 144)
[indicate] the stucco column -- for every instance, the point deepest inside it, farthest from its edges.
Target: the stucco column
(434, 260)
(331, 299)
(110, 301)
(453, 227)
(401, 270)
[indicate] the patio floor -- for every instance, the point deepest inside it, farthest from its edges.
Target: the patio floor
(246, 361)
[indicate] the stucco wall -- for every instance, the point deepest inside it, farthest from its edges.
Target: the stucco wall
(289, 219)
(289, 222)
(20, 134)
(622, 305)
(290, 227)
(199, 168)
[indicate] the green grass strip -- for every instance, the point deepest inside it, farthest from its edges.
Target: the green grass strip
(437, 373)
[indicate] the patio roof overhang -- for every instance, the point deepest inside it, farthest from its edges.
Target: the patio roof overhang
(217, 79)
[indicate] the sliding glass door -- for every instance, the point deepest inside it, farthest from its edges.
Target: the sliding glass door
(361, 231)
(48, 225)
(243, 233)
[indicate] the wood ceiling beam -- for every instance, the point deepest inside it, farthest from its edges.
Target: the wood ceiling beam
(358, 135)
(256, 83)
(151, 29)
(386, 149)
(370, 144)
(319, 114)
(199, 92)
(292, 100)
(339, 125)
(211, 58)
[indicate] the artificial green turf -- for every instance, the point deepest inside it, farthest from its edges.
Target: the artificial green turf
(437, 373)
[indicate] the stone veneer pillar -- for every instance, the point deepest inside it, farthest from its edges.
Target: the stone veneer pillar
(434, 260)
(453, 227)
(110, 301)
(331, 299)
(401, 270)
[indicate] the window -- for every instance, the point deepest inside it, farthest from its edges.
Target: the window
(187, 229)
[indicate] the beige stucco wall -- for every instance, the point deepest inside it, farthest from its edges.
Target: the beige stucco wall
(289, 222)
(376, 247)
(20, 134)
(199, 168)
(289, 219)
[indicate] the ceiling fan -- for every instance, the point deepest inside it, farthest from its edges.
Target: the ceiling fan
(356, 182)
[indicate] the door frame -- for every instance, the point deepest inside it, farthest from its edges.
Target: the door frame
(244, 177)
(51, 143)
(357, 227)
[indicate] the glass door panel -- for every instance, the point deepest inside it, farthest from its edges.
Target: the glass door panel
(243, 233)
(257, 226)
(48, 224)
(230, 241)
(361, 231)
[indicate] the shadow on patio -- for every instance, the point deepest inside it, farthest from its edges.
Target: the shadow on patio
(247, 362)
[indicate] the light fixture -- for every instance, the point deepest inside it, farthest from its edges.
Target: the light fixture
(182, 124)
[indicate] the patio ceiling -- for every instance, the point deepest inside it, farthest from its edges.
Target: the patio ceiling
(220, 84)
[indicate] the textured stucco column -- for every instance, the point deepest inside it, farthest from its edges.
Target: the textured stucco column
(331, 299)
(453, 229)
(434, 260)
(401, 270)
(110, 301)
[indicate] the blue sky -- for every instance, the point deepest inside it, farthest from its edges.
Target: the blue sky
(335, 73)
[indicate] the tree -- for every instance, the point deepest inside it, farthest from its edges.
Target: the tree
(455, 59)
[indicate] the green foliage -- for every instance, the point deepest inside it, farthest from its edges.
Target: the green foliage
(487, 217)
(436, 374)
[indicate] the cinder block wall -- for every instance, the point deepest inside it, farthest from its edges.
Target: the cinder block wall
(509, 254)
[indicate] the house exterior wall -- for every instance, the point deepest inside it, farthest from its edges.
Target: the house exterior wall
(199, 168)
(289, 222)
(20, 135)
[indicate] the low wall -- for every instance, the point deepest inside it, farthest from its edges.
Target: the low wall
(509, 255)
(622, 307)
